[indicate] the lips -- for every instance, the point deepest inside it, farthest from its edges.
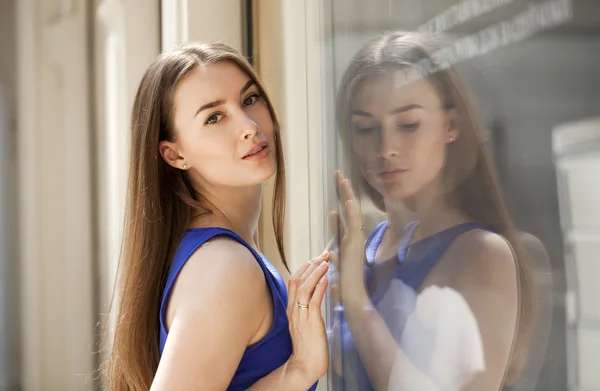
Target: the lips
(256, 149)
(391, 173)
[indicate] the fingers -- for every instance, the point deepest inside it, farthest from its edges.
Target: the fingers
(331, 245)
(333, 259)
(301, 270)
(337, 178)
(307, 289)
(293, 284)
(353, 216)
(298, 278)
(350, 205)
(314, 263)
(317, 297)
(344, 188)
(336, 226)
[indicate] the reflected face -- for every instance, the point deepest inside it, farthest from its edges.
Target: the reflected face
(224, 129)
(400, 135)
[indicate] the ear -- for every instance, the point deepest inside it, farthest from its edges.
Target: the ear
(452, 132)
(169, 152)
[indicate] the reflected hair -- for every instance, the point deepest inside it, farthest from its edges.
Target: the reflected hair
(468, 175)
(161, 204)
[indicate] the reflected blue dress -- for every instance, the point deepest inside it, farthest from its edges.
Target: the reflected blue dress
(408, 273)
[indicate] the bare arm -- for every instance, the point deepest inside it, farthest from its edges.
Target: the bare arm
(379, 352)
(486, 281)
(220, 285)
(310, 357)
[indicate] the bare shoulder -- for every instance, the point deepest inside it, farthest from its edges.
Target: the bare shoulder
(533, 245)
(221, 274)
(226, 257)
(218, 307)
(483, 258)
(537, 253)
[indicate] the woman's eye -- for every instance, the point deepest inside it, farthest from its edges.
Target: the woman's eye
(213, 118)
(250, 100)
(363, 129)
(408, 126)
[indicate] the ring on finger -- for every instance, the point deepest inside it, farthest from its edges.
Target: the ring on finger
(302, 306)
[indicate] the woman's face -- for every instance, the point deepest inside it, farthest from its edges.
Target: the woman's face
(400, 135)
(224, 132)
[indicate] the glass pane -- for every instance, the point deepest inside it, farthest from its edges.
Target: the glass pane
(470, 132)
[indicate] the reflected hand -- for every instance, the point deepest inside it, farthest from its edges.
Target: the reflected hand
(352, 245)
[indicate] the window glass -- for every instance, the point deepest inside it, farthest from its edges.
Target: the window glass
(470, 134)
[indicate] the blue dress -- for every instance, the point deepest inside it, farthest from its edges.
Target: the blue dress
(407, 274)
(276, 347)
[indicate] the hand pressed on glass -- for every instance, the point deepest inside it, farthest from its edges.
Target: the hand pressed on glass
(351, 254)
(306, 289)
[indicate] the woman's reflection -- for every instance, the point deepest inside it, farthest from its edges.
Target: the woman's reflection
(446, 301)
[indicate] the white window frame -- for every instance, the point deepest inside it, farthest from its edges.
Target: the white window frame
(291, 60)
(305, 125)
(291, 66)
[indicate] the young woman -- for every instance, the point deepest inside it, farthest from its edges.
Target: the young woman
(200, 308)
(445, 302)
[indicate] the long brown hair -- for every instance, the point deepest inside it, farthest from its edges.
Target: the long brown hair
(160, 205)
(468, 175)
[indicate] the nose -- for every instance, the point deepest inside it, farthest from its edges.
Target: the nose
(387, 148)
(248, 127)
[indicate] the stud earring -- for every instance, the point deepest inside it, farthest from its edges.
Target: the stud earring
(451, 139)
(185, 166)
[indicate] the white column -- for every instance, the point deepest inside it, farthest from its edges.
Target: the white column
(55, 196)
(291, 54)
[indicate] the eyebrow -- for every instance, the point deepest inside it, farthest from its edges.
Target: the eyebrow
(218, 102)
(395, 111)
(210, 105)
(249, 84)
